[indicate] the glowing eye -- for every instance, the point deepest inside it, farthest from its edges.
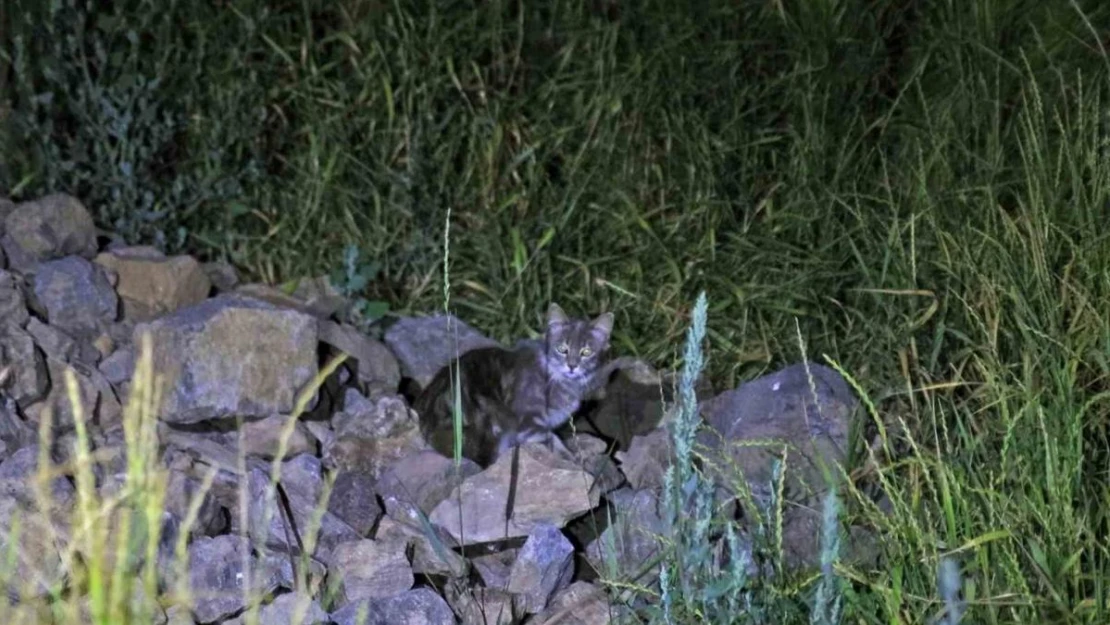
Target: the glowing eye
(563, 349)
(586, 351)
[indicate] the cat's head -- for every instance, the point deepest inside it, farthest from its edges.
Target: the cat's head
(574, 347)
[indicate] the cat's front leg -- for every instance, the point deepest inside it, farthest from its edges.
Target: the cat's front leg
(550, 439)
(506, 442)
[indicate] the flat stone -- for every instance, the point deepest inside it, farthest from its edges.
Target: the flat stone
(369, 569)
(377, 367)
(47, 228)
(808, 408)
(283, 609)
(550, 490)
(13, 303)
(424, 345)
(152, 285)
(543, 567)
(421, 606)
(228, 357)
(27, 379)
(77, 296)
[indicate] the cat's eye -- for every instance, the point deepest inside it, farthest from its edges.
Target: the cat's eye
(563, 349)
(586, 351)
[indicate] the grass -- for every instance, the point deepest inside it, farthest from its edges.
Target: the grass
(919, 193)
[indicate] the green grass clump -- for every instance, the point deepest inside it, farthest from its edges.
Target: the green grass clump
(918, 190)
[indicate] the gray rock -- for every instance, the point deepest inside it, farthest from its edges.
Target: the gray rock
(420, 481)
(550, 489)
(222, 275)
(320, 430)
(374, 434)
(321, 295)
(50, 227)
(198, 452)
(101, 347)
(283, 575)
(119, 366)
(303, 490)
(14, 431)
(592, 453)
(121, 249)
(801, 541)
(293, 609)
(630, 404)
(151, 285)
(421, 606)
(380, 417)
(216, 576)
(181, 493)
(27, 380)
(483, 606)
(110, 447)
(57, 344)
(37, 562)
(377, 367)
(98, 401)
(784, 408)
(76, 296)
(121, 333)
(581, 603)
(229, 356)
(428, 557)
(109, 410)
(262, 437)
(318, 307)
(354, 500)
(17, 471)
(495, 568)
(647, 459)
(13, 303)
(631, 540)
(543, 567)
(370, 569)
(424, 345)
(303, 475)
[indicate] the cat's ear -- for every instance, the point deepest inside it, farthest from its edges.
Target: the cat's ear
(555, 315)
(604, 322)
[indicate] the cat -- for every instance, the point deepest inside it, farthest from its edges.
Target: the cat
(521, 395)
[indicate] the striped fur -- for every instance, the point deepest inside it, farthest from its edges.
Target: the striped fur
(518, 395)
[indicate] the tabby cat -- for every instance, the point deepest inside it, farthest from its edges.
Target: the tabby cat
(519, 395)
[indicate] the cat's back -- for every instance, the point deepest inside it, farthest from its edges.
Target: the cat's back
(484, 377)
(478, 370)
(496, 363)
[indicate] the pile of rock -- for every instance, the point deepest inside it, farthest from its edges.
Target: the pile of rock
(406, 535)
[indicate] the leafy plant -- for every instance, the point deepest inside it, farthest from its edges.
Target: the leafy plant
(352, 279)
